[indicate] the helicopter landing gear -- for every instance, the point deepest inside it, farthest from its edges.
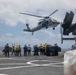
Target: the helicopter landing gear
(53, 28)
(32, 33)
(46, 27)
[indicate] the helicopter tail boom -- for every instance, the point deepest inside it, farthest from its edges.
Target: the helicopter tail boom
(27, 30)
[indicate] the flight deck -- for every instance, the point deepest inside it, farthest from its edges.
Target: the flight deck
(31, 65)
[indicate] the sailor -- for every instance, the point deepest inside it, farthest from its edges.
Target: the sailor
(41, 49)
(4, 50)
(48, 48)
(25, 50)
(36, 49)
(44, 49)
(20, 50)
(17, 50)
(56, 49)
(29, 50)
(13, 49)
(7, 50)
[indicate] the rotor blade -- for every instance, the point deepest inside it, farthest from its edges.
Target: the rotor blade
(53, 12)
(32, 15)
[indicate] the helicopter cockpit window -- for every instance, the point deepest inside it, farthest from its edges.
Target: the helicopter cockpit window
(47, 22)
(53, 20)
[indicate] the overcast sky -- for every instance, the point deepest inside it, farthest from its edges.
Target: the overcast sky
(12, 23)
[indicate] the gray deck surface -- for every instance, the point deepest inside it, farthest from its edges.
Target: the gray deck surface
(31, 65)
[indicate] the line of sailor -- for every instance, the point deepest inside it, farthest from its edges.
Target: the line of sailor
(45, 49)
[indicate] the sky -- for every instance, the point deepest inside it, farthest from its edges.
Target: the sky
(12, 23)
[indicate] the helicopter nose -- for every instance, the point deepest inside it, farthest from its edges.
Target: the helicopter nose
(58, 22)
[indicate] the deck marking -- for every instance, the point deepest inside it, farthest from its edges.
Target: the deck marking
(52, 63)
(13, 63)
(32, 64)
(8, 68)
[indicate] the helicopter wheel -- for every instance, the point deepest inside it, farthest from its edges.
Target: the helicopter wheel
(32, 33)
(46, 27)
(53, 28)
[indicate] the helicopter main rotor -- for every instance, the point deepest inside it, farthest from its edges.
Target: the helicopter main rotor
(32, 15)
(40, 16)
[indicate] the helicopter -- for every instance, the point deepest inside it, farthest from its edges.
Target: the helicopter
(45, 22)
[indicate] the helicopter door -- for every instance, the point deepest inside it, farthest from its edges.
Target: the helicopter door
(45, 24)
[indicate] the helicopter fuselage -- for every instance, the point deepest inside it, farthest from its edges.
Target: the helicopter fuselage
(45, 23)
